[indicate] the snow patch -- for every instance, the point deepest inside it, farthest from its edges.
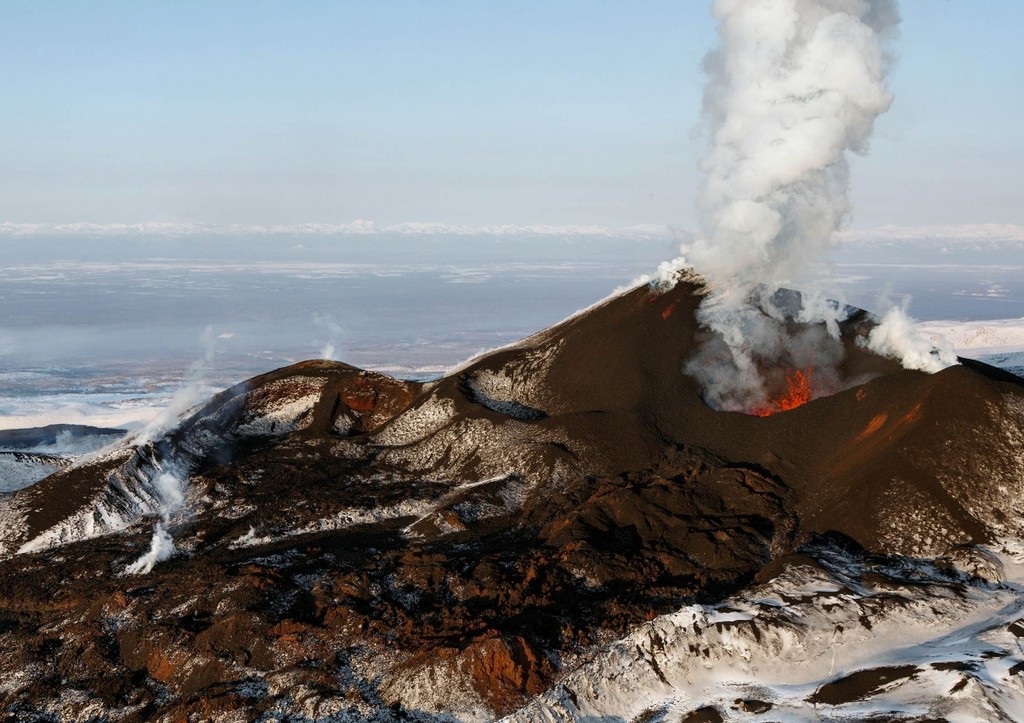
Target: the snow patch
(281, 407)
(418, 423)
(514, 389)
(20, 469)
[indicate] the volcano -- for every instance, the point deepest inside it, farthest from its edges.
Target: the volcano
(561, 529)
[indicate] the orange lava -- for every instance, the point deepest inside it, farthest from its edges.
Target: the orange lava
(876, 423)
(798, 392)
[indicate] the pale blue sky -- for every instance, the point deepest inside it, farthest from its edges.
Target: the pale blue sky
(554, 112)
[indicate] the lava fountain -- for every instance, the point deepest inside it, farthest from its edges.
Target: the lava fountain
(796, 394)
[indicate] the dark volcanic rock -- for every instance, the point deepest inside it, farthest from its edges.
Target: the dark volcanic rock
(352, 542)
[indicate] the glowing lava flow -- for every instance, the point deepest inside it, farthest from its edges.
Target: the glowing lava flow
(798, 392)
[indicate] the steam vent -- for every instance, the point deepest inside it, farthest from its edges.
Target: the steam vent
(559, 530)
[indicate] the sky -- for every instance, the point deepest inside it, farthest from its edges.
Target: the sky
(458, 112)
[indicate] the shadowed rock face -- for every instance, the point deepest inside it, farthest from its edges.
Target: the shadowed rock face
(352, 542)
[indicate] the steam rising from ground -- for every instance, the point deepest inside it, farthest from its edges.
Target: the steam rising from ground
(169, 486)
(170, 489)
(334, 332)
(897, 336)
(794, 87)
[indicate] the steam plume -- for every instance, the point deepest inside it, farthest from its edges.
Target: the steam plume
(170, 489)
(192, 391)
(896, 336)
(170, 485)
(794, 87)
(334, 332)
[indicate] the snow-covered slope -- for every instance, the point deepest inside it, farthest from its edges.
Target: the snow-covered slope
(21, 469)
(840, 638)
(121, 484)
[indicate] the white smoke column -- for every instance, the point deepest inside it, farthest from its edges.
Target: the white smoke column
(161, 549)
(170, 489)
(794, 87)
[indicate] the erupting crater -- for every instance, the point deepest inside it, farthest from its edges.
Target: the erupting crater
(796, 394)
(779, 351)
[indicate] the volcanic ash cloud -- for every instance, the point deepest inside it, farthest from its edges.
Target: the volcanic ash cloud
(794, 86)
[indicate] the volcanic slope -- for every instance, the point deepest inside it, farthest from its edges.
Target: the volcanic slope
(355, 545)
